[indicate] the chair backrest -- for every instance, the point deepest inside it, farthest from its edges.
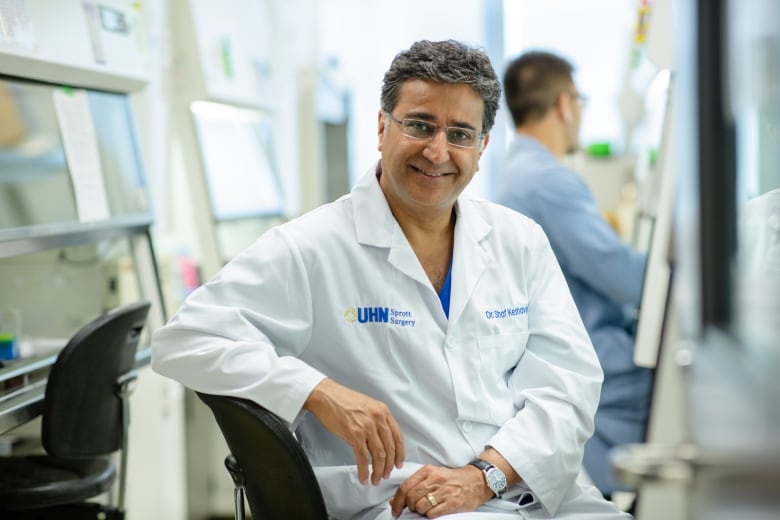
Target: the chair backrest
(279, 480)
(82, 414)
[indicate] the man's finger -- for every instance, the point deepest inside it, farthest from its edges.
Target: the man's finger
(398, 438)
(362, 458)
(388, 441)
(401, 497)
(378, 457)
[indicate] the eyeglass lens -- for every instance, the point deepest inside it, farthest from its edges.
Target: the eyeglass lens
(456, 136)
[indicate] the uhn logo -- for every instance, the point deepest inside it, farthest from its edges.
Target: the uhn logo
(373, 314)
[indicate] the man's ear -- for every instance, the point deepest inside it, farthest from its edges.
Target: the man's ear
(380, 129)
(564, 107)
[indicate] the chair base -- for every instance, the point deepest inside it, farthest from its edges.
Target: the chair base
(84, 511)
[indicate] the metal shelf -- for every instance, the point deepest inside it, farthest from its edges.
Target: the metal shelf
(31, 239)
(24, 366)
(637, 464)
(25, 402)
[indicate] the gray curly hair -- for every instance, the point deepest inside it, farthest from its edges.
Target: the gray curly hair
(447, 61)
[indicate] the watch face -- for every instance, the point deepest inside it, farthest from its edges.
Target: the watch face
(496, 480)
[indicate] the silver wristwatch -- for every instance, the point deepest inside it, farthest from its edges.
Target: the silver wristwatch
(495, 478)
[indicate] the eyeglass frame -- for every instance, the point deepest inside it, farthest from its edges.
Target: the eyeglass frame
(480, 136)
(579, 97)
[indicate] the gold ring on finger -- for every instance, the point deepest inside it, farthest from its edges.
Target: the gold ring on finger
(432, 499)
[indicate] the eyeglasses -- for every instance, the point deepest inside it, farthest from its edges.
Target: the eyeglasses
(581, 98)
(423, 130)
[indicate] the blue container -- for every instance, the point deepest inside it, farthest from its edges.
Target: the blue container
(8, 348)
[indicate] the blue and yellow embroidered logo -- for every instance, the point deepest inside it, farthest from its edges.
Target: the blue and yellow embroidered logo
(379, 315)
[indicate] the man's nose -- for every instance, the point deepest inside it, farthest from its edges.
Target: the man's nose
(437, 149)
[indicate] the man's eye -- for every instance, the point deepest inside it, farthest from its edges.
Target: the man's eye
(460, 134)
(420, 126)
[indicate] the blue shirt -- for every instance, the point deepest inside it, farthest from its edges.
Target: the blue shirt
(605, 277)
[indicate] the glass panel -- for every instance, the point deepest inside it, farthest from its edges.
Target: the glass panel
(235, 147)
(35, 182)
(755, 86)
(97, 273)
(119, 156)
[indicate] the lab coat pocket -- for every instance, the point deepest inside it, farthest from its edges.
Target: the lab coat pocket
(481, 383)
(499, 354)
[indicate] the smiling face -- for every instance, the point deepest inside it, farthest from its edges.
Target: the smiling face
(423, 178)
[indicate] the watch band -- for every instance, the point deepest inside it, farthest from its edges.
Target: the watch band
(481, 464)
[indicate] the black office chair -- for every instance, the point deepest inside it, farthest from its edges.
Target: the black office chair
(266, 462)
(84, 423)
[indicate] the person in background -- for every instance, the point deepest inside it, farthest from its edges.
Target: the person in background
(605, 275)
(417, 340)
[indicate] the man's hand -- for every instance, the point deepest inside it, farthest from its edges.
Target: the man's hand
(434, 491)
(364, 423)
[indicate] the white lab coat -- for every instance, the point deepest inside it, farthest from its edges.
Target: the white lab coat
(339, 292)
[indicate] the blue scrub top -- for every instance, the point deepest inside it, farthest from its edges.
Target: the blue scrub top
(444, 294)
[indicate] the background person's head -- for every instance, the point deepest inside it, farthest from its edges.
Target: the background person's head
(448, 62)
(541, 97)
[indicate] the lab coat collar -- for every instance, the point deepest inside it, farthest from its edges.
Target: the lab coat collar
(470, 256)
(374, 222)
(375, 226)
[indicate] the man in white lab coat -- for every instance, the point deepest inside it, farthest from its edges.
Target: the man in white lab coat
(424, 345)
